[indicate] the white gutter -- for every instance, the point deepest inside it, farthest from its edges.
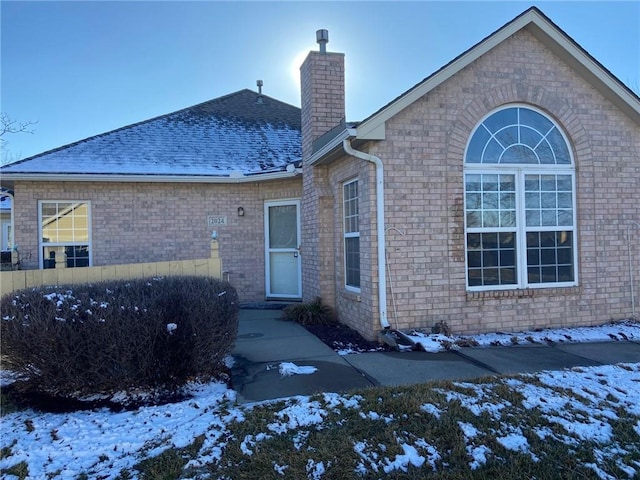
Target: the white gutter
(382, 276)
(106, 177)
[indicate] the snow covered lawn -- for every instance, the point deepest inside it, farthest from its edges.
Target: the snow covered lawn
(580, 423)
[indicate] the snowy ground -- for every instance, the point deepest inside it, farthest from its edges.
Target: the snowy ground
(102, 443)
(627, 330)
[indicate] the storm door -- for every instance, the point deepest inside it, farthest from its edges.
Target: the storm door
(282, 249)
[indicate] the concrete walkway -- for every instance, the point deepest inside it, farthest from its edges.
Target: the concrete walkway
(265, 341)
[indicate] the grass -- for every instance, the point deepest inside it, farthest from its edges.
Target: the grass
(448, 424)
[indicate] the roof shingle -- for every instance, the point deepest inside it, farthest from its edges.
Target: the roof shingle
(241, 132)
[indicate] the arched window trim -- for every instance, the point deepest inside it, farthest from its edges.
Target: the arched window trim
(514, 182)
(481, 124)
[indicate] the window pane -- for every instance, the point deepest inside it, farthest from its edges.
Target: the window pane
(565, 200)
(550, 257)
(352, 261)
(502, 118)
(474, 201)
(77, 256)
(476, 145)
(564, 183)
(283, 231)
(490, 183)
(507, 201)
(507, 136)
(490, 218)
(350, 207)
(565, 217)
(532, 200)
(490, 201)
(491, 259)
(474, 259)
(545, 154)
(492, 152)
(474, 219)
(473, 183)
(548, 200)
(533, 218)
(533, 274)
(532, 183)
(519, 154)
(508, 219)
(559, 147)
(549, 218)
(548, 183)
(474, 241)
(529, 137)
(534, 120)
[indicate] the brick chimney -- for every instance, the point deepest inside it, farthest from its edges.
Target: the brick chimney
(323, 108)
(322, 84)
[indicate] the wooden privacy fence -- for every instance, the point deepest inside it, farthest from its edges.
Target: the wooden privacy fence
(11, 281)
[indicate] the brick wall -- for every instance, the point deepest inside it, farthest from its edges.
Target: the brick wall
(145, 222)
(423, 156)
(322, 100)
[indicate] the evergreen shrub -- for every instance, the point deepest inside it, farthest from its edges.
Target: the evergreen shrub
(115, 336)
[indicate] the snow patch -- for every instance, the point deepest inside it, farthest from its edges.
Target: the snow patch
(288, 368)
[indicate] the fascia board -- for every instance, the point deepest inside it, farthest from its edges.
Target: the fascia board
(335, 143)
(53, 177)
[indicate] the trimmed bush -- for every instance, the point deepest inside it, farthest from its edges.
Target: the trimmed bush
(107, 337)
(310, 314)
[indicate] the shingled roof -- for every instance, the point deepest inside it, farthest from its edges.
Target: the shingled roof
(243, 133)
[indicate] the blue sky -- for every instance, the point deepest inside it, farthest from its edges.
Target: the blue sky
(80, 68)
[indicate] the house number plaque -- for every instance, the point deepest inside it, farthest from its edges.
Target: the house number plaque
(216, 220)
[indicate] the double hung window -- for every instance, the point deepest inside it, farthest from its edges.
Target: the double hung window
(351, 235)
(519, 203)
(64, 231)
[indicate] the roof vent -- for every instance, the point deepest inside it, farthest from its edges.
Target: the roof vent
(322, 37)
(259, 84)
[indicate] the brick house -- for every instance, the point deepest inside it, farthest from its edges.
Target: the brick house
(496, 194)
(156, 190)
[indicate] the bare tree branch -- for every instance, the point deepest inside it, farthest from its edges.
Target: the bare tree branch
(9, 125)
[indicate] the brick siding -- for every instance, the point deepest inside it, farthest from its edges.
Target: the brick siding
(149, 222)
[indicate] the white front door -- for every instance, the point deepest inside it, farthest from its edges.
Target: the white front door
(282, 249)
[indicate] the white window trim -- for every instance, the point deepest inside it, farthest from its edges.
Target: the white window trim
(41, 244)
(346, 235)
(520, 170)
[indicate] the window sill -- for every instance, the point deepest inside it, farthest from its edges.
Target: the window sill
(352, 296)
(524, 293)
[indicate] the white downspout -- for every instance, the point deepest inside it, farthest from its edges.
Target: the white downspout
(382, 277)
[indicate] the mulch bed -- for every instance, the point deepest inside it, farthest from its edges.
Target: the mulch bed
(340, 337)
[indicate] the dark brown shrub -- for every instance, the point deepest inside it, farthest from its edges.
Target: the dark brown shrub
(107, 337)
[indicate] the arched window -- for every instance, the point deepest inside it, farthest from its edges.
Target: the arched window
(519, 203)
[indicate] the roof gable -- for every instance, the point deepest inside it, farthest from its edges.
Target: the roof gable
(373, 127)
(244, 133)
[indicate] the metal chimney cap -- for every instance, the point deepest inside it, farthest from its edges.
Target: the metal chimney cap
(322, 37)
